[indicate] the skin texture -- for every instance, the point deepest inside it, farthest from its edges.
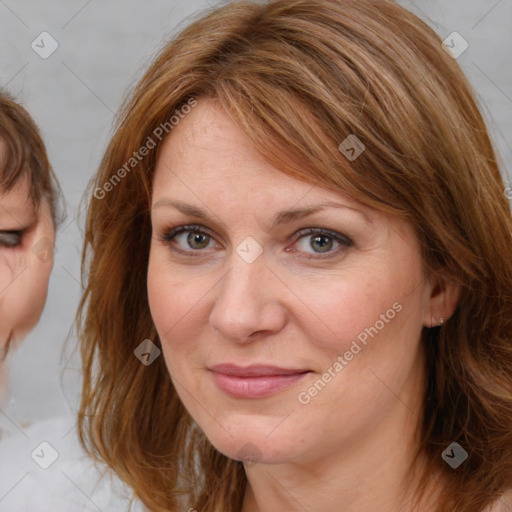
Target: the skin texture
(24, 272)
(348, 448)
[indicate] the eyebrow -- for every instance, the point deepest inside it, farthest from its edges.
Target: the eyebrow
(283, 217)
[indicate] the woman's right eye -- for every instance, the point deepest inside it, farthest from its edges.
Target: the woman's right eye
(10, 239)
(189, 240)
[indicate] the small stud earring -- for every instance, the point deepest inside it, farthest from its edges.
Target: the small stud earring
(441, 320)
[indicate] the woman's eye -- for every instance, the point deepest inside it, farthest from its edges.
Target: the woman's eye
(189, 238)
(320, 241)
(313, 241)
(10, 239)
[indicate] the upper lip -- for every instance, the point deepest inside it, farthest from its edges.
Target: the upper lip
(253, 370)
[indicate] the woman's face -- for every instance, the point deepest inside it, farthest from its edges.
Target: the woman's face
(27, 238)
(289, 315)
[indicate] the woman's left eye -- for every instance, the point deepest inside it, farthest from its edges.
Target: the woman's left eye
(10, 239)
(322, 241)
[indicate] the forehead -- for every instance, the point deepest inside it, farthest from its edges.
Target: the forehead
(208, 156)
(16, 206)
(207, 134)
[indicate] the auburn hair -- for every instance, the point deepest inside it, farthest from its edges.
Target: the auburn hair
(23, 154)
(298, 77)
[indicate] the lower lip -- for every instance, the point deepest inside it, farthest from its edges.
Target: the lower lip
(255, 387)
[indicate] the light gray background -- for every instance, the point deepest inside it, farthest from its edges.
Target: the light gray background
(104, 45)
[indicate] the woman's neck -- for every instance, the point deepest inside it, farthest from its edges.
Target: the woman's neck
(371, 473)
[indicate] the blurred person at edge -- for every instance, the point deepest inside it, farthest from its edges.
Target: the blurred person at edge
(29, 216)
(28, 195)
(331, 176)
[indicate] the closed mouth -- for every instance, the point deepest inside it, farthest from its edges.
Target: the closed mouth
(257, 381)
(254, 370)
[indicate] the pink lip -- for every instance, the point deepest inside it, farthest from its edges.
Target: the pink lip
(254, 381)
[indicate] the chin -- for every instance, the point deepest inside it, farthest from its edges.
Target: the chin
(250, 452)
(254, 446)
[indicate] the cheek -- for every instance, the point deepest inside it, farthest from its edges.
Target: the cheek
(24, 276)
(31, 308)
(339, 310)
(175, 308)
(166, 301)
(23, 300)
(175, 303)
(369, 335)
(8, 298)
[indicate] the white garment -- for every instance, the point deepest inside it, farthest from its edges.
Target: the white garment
(70, 482)
(502, 504)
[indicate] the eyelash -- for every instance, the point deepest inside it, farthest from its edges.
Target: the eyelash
(8, 234)
(343, 240)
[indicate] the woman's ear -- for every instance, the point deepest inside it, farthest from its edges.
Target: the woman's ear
(444, 297)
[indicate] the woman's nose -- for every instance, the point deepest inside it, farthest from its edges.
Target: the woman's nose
(248, 302)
